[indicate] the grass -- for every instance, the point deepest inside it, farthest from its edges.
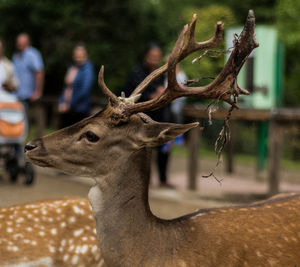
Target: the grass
(243, 159)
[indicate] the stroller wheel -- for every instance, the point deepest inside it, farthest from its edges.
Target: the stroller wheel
(28, 173)
(12, 168)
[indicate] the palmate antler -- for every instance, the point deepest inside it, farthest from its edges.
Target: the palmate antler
(223, 87)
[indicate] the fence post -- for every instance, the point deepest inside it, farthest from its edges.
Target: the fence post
(193, 145)
(274, 155)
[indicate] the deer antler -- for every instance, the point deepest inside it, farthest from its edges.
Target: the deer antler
(109, 94)
(223, 87)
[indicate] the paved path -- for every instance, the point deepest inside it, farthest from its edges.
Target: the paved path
(235, 189)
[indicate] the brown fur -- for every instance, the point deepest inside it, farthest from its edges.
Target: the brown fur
(262, 234)
(54, 232)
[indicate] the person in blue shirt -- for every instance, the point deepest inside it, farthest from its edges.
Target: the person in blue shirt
(75, 100)
(29, 69)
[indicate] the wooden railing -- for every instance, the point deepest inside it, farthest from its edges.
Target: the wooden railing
(278, 118)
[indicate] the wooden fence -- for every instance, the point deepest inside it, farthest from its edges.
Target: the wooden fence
(278, 119)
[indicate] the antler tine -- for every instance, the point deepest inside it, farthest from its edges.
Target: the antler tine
(223, 87)
(190, 46)
(109, 94)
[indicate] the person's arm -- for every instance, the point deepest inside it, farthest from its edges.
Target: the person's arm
(39, 85)
(37, 66)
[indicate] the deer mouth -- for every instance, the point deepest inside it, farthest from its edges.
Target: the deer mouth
(40, 162)
(37, 154)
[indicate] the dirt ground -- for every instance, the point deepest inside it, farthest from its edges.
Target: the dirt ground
(239, 188)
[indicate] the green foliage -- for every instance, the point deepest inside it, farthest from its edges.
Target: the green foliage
(287, 13)
(114, 31)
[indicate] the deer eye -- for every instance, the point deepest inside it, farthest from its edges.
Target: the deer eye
(91, 137)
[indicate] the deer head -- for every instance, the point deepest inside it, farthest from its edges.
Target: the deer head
(122, 128)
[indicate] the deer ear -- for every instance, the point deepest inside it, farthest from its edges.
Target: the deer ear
(157, 134)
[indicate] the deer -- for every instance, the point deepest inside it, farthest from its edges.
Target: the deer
(59, 232)
(114, 146)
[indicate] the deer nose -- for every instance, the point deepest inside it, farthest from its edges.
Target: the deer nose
(29, 147)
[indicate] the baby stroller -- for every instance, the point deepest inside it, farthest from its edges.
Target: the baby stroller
(13, 131)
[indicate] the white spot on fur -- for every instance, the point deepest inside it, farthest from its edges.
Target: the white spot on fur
(72, 219)
(47, 262)
(94, 249)
(34, 243)
(63, 242)
(78, 210)
(84, 249)
(63, 224)
(78, 232)
(51, 249)
(44, 212)
(53, 231)
(66, 257)
(42, 233)
(15, 248)
(16, 236)
(74, 259)
(9, 230)
(29, 229)
(19, 220)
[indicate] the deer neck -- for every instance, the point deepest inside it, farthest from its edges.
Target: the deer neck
(120, 205)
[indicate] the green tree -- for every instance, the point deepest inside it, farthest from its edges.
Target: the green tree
(115, 32)
(287, 13)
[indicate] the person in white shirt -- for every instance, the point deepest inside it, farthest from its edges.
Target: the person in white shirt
(8, 80)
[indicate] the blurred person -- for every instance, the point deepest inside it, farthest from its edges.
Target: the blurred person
(151, 59)
(29, 67)
(8, 88)
(75, 100)
(8, 80)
